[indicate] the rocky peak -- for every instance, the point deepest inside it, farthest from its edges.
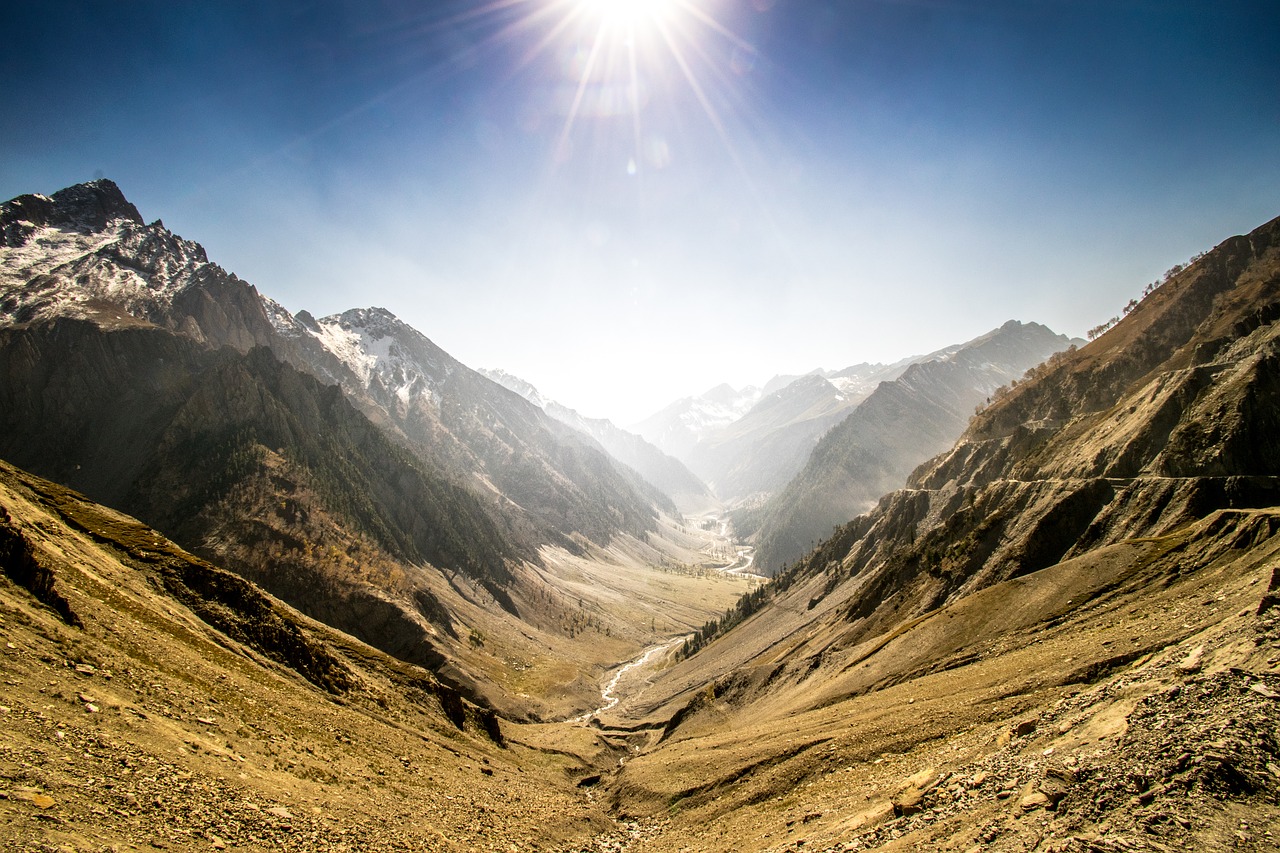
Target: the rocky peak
(379, 322)
(85, 208)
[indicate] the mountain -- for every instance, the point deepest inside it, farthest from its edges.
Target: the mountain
(505, 447)
(1080, 590)
(752, 441)
(1160, 422)
(761, 450)
(680, 426)
(664, 473)
(756, 454)
(897, 426)
(86, 253)
(259, 467)
(347, 464)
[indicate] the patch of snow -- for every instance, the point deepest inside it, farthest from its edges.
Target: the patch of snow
(368, 343)
(348, 346)
(280, 318)
(84, 267)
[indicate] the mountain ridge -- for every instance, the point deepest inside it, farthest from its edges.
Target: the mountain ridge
(665, 473)
(348, 464)
(903, 422)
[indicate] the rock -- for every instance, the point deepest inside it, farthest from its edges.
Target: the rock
(280, 811)
(1192, 662)
(43, 801)
(1056, 784)
(1035, 800)
(1263, 690)
(908, 802)
(1024, 728)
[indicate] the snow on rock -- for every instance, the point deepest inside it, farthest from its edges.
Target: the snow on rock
(385, 354)
(61, 272)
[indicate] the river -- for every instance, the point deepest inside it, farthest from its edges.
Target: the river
(608, 694)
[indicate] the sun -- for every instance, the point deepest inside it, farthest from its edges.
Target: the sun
(626, 50)
(626, 68)
(631, 13)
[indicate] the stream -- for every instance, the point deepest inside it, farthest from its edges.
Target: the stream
(608, 695)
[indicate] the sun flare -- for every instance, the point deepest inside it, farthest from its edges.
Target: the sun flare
(631, 13)
(626, 74)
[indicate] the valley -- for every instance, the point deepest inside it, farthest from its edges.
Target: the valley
(273, 582)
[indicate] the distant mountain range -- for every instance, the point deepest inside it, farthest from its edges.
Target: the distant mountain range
(748, 445)
(903, 422)
(665, 473)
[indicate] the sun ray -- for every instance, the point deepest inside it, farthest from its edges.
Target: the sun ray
(588, 68)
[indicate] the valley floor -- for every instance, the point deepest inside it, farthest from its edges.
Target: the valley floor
(1143, 716)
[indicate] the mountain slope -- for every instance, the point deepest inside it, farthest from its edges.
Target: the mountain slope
(166, 702)
(255, 465)
(1087, 574)
(86, 253)
(1137, 433)
(663, 472)
(503, 445)
(900, 424)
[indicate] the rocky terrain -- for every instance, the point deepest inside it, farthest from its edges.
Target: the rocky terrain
(1126, 701)
(1061, 635)
(162, 703)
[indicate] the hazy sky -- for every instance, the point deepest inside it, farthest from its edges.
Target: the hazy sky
(626, 202)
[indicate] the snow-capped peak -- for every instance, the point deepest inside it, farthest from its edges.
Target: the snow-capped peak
(55, 271)
(515, 383)
(391, 359)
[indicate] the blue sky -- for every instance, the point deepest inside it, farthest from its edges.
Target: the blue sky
(778, 185)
